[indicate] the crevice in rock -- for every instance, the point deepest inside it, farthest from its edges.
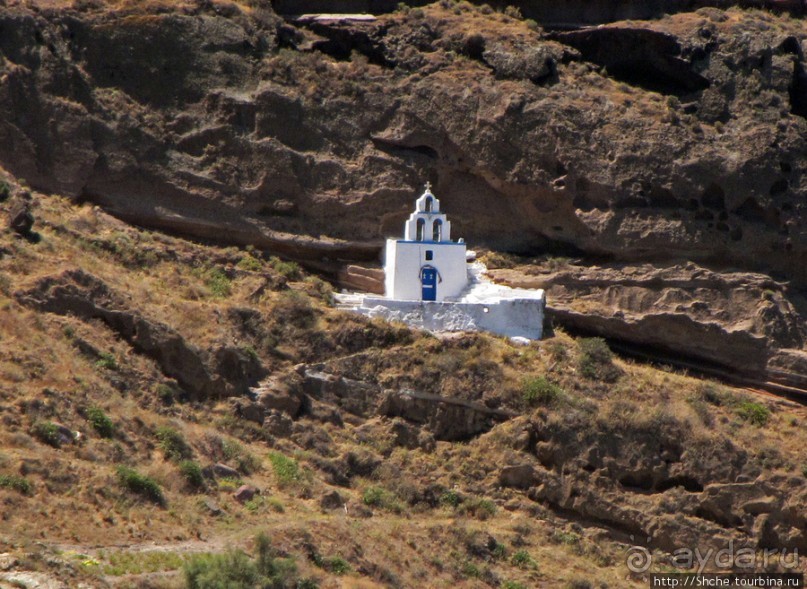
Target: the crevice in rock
(397, 149)
(689, 483)
(340, 40)
(721, 519)
(638, 57)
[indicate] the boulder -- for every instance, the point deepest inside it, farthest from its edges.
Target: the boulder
(404, 434)
(212, 506)
(223, 471)
(20, 219)
(521, 476)
(274, 393)
(250, 411)
(66, 435)
(331, 500)
(278, 423)
(245, 493)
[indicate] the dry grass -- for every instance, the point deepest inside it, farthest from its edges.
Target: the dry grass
(417, 536)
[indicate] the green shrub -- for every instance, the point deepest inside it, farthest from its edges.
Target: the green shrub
(47, 433)
(513, 585)
(218, 282)
(173, 444)
(236, 570)
(17, 483)
(334, 564)
(320, 289)
(286, 469)
(100, 422)
(5, 190)
(140, 484)
(469, 569)
(166, 394)
(251, 352)
(379, 497)
(291, 270)
(522, 560)
(231, 570)
(451, 498)
(479, 508)
(596, 360)
(537, 390)
(107, 361)
(804, 470)
(755, 413)
(245, 461)
(248, 262)
(192, 473)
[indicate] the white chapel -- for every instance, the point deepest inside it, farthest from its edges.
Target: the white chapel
(425, 265)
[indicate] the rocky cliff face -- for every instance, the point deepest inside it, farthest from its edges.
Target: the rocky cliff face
(665, 141)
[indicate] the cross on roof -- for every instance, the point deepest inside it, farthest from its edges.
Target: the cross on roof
(428, 186)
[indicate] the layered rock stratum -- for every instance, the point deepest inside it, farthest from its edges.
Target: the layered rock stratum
(636, 145)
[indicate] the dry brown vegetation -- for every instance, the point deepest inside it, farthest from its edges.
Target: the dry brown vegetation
(413, 516)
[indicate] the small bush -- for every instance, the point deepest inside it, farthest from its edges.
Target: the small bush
(712, 394)
(107, 361)
(166, 394)
(286, 469)
(479, 508)
(140, 484)
(755, 413)
(513, 585)
(231, 570)
(47, 433)
(513, 12)
(579, 584)
(100, 422)
(173, 444)
(192, 473)
(296, 309)
(5, 190)
(251, 352)
(522, 560)
(469, 569)
(245, 461)
(250, 264)
(218, 283)
(538, 390)
(334, 564)
(381, 498)
(320, 289)
(492, 260)
(804, 470)
(291, 270)
(451, 498)
(236, 570)
(596, 360)
(19, 484)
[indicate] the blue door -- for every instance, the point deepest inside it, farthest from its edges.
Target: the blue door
(428, 279)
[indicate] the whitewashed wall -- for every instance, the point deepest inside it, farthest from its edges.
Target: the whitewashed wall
(404, 259)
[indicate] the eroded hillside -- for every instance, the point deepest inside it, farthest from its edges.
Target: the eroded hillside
(644, 149)
(144, 379)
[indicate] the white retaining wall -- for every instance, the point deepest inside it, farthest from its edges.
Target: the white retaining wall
(517, 317)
